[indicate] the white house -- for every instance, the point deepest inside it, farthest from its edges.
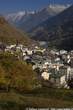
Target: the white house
(29, 52)
(45, 75)
(12, 46)
(63, 80)
(63, 52)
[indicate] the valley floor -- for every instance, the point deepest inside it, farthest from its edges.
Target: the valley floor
(53, 98)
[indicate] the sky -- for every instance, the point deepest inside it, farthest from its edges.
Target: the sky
(9, 6)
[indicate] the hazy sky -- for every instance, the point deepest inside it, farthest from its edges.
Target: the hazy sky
(7, 6)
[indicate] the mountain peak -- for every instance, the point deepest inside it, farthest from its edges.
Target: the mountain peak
(57, 7)
(18, 16)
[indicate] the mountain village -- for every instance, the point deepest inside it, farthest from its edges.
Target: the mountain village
(55, 67)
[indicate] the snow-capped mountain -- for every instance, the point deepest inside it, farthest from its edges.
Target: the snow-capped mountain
(57, 8)
(16, 17)
(28, 20)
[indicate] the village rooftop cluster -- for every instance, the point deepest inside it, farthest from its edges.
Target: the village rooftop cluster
(55, 67)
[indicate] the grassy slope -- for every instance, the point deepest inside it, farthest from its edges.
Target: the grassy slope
(9, 34)
(15, 100)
